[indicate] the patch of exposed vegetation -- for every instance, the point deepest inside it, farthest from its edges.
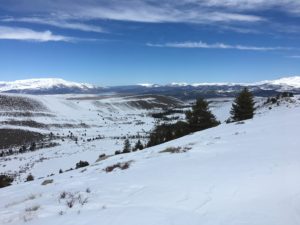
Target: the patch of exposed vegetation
(175, 150)
(16, 137)
(46, 182)
(5, 180)
(122, 166)
(17, 103)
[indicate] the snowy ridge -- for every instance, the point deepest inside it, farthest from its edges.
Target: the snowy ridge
(43, 83)
(293, 81)
(286, 81)
(60, 86)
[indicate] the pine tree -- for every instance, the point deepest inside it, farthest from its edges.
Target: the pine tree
(200, 117)
(138, 145)
(243, 106)
(127, 146)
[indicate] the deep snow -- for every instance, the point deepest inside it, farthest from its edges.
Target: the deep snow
(232, 174)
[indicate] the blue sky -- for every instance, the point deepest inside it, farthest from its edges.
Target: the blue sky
(113, 42)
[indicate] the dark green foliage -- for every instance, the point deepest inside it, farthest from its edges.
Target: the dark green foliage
(32, 146)
(167, 132)
(243, 106)
(117, 152)
(5, 181)
(81, 164)
(286, 95)
(200, 117)
(138, 145)
(30, 178)
(127, 146)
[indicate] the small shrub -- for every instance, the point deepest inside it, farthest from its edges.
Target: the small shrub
(81, 200)
(175, 150)
(117, 152)
(32, 209)
(30, 177)
(63, 195)
(122, 166)
(70, 203)
(102, 156)
(81, 164)
(45, 182)
(5, 181)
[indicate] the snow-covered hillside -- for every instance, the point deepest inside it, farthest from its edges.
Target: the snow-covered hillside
(84, 127)
(286, 82)
(245, 173)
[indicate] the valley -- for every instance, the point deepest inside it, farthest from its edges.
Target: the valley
(209, 177)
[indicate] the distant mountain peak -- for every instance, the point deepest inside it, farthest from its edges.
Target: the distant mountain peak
(42, 85)
(293, 81)
(61, 86)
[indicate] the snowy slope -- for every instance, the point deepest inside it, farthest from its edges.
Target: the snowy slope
(291, 82)
(86, 116)
(232, 174)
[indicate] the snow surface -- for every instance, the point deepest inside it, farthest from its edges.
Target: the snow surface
(237, 174)
(286, 81)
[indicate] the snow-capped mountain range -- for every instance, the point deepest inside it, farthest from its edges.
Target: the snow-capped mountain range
(293, 82)
(47, 86)
(60, 86)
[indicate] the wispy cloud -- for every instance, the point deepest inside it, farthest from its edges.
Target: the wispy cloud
(294, 56)
(204, 45)
(152, 11)
(78, 14)
(24, 34)
(56, 23)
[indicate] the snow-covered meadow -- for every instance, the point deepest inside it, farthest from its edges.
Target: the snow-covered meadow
(239, 173)
(99, 124)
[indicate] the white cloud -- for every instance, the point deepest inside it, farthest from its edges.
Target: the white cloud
(77, 14)
(56, 23)
(162, 13)
(294, 56)
(17, 33)
(153, 11)
(204, 45)
(285, 5)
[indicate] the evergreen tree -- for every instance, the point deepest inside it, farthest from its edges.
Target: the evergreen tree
(138, 145)
(127, 146)
(200, 117)
(243, 106)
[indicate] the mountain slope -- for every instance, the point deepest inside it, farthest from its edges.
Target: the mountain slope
(46, 86)
(232, 174)
(179, 90)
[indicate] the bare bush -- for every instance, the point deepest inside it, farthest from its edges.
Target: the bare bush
(122, 166)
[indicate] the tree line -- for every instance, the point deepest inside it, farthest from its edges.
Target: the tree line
(201, 118)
